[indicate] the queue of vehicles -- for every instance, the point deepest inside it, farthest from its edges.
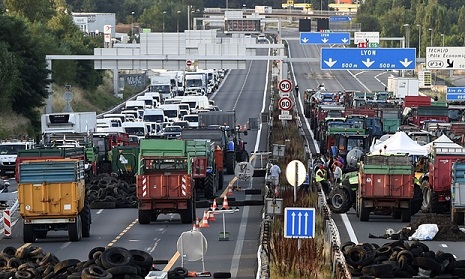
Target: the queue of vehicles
(380, 177)
(141, 144)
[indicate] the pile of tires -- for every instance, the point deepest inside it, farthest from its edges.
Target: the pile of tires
(112, 262)
(106, 192)
(399, 259)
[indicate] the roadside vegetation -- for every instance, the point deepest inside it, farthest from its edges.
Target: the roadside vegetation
(287, 262)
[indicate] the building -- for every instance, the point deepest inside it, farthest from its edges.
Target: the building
(94, 23)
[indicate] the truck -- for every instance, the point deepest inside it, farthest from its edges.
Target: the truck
(68, 123)
(9, 151)
(162, 85)
(196, 83)
(457, 210)
(385, 186)
(51, 193)
(206, 175)
(164, 180)
(402, 86)
(436, 183)
(104, 142)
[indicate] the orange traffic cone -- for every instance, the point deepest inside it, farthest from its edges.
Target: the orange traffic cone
(225, 203)
(205, 220)
(230, 191)
(215, 206)
(195, 227)
(276, 192)
(211, 216)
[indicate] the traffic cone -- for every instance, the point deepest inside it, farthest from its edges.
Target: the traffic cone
(276, 192)
(211, 216)
(225, 203)
(215, 206)
(230, 191)
(195, 227)
(205, 220)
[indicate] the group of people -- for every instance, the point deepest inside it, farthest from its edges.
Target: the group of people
(328, 170)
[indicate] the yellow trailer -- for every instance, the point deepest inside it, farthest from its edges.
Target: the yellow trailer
(51, 194)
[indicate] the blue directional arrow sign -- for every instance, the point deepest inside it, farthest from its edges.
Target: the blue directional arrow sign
(324, 38)
(299, 222)
(340, 18)
(368, 58)
(455, 94)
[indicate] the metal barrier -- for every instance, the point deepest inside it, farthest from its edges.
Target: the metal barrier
(6, 218)
(120, 106)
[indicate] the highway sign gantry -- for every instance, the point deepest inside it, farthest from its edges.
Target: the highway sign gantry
(285, 85)
(368, 59)
(446, 58)
(324, 38)
(455, 94)
(285, 103)
(299, 222)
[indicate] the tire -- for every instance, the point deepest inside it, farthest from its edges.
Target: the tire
(187, 215)
(64, 265)
(102, 205)
(144, 216)
(9, 251)
(340, 201)
(405, 215)
(364, 213)
(142, 259)
(222, 275)
(426, 203)
(220, 180)
(93, 250)
(428, 264)
(28, 233)
(417, 200)
(229, 162)
(95, 272)
(355, 255)
(122, 270)
(86, 219)
(378, 270)
(209, 186)
(75, 230)
(115, 256)
(23, 274)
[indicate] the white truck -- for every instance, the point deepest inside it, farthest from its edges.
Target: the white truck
(402, 86)
(8, 153)
(138, 128)
(212, 78)
(69, 122)
(196, 84)
(162, 85)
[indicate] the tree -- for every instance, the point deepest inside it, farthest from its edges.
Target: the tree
(9, 77)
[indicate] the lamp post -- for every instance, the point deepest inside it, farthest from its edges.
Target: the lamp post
(407, 34)
(177, 27)
(163, 27)
(431, 37)
(132, 24)
(419, 40)
(443, 37)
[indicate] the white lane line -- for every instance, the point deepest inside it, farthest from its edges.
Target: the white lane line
(259, 133)
(444, 245)
(240, 241)
(66, 244)
(151, 249)
(243, 85)
(349, 228)
(99, 211)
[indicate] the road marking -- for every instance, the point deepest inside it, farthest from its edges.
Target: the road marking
(243, 85)
(122, 233)
(171, 262)
(154, 246)
(99, 211)
(444, 245)
(349, 228)
(65, 245)
(239, 242)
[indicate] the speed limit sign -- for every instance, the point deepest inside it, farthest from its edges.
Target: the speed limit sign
(285, 103)
(285, 85)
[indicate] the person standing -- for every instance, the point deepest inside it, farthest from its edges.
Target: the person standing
(275, 171)
(296, 90)
(337, 173)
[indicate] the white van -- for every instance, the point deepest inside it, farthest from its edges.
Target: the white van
(139, 129)
(196, 102)
(149, 101)
(155, 95)
(121, 116)
(171, 111)
(109, 122)
(131, 115)
(192, 119)
(156, 115)
(171, 101)
(134, 105)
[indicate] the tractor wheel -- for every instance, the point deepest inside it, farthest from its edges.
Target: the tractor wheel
(209, 186)
(426, 202)
(406, 215)
(417, 200)
(220, 180)
(364, 212)
(86, 220)
(187, 215)
(339, 200)
(436, 206)
(229, 162)
(75, 230)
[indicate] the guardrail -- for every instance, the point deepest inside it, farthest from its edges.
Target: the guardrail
(120, 106)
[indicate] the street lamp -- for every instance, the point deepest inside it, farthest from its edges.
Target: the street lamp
(431, 37)
(163, 27)
(442, 35)
(177, 26)
(419, 40)
(132, 23)
(407, 34)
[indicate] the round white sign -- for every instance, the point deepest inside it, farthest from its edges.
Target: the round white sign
(295, 173)
(285, 85)
(285, 103)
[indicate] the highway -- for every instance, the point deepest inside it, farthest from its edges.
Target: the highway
(247, 92)
(309, 75)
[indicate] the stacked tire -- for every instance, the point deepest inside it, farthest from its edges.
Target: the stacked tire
(106, 192)
(399, 259)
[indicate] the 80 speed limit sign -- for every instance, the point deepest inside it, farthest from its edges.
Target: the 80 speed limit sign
(285, 103)
(285, 85)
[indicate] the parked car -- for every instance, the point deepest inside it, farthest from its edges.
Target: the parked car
(171, 132)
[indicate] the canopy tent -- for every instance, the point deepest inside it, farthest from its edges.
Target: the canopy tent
(442, 141)
(400, 142)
